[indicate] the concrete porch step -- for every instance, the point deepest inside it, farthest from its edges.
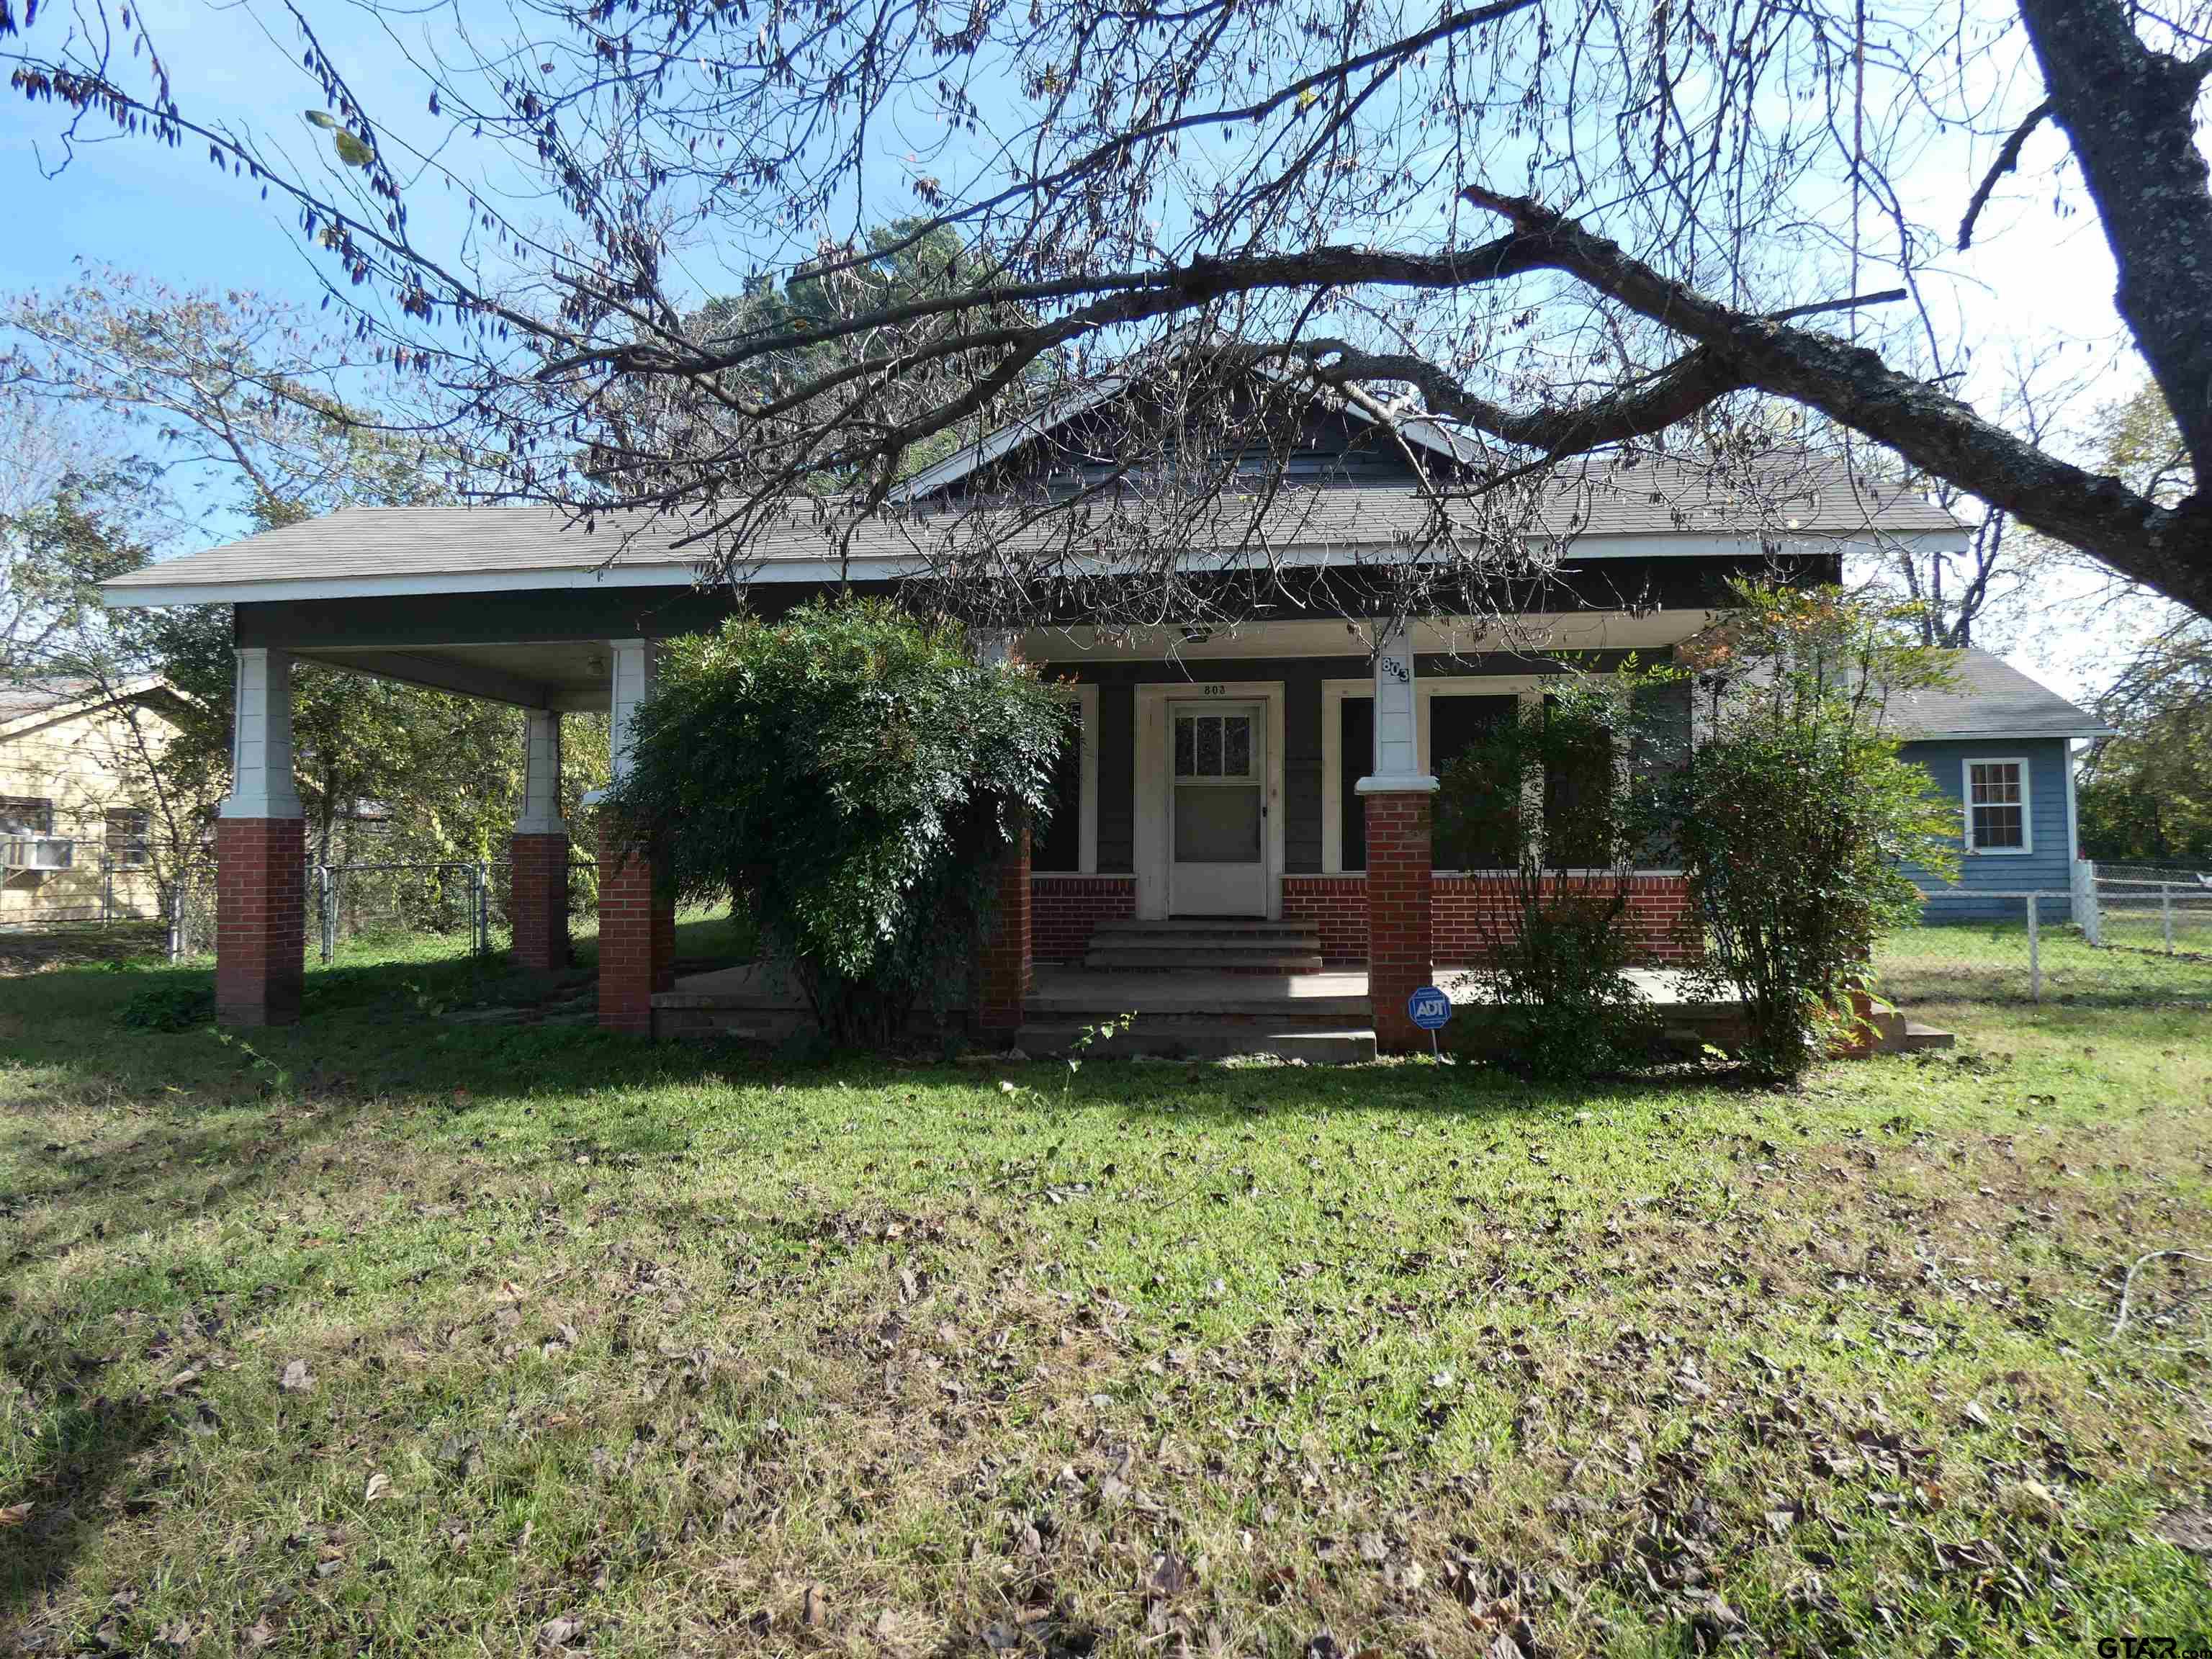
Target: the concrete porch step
(1213, 1037)
(1204, 926)
(1204, 956)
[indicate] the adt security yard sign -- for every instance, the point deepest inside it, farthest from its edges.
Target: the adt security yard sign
(1429, 1008)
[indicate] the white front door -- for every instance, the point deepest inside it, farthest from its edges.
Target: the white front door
(1217, 809)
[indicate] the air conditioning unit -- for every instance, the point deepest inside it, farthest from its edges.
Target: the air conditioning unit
(37, 853)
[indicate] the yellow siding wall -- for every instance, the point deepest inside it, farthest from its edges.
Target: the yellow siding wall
(83, 762)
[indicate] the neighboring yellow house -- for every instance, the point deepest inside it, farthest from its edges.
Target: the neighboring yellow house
(77, 831)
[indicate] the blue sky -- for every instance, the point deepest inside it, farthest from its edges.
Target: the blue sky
(2037, 274)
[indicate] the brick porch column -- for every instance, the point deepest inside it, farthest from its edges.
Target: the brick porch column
(261, 855)
(1398, 793)
(1005, 971)
(538, 855)
(637, 927)
(1398, 922)
(637, 935)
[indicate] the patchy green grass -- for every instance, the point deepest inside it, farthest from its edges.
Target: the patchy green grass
(391, 1334)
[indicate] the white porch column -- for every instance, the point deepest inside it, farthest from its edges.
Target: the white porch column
(630, 664)
(1399, 956)
(1397, 761)
(541, 775)
(261, 784)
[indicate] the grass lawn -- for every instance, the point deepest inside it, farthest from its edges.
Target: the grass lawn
(389, 1334)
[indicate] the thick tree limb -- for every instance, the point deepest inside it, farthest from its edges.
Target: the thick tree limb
(2129, 112)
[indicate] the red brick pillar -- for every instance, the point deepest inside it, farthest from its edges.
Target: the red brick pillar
(261, 919)
(1003, 981)
(637, 935)
(538, 900)
(1399, 960)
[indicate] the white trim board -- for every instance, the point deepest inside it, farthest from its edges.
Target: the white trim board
(1150, 761)
(1966, 765)
(186, 587)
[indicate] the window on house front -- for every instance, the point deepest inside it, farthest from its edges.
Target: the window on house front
(1996, 806)
(128, 828)
(26, 815)
(1578, 795)
(1456, 724)
(1061, 846)
(1355, 759)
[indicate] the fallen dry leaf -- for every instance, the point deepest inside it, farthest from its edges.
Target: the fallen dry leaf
(15, 1514)
(379, 1484)
(297, 1379)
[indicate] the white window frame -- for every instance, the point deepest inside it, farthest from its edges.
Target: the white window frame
(1086, 714)
(1966, 765)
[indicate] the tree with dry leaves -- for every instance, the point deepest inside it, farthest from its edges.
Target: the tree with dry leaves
(1550, 229)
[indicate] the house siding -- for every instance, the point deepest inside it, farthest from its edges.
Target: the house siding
(2048, 868)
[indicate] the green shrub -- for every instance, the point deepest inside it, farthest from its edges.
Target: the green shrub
(852, 775)
(179, 1006)
(1544, 795)
(1795, 817)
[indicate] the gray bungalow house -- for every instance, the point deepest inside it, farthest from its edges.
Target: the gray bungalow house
(1250, 796)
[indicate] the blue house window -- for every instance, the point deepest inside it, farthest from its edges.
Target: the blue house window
(1996, 806)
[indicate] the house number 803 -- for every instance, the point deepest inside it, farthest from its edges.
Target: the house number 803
(1212, 690)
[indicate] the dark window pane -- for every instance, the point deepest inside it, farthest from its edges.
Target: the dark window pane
(1457, 725)
(1209, 746)
(1061, 846)
(1355, 755)
(1236, 746)
(1185, 746)
(1578, 795)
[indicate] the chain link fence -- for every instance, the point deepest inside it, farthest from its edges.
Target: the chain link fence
(450, 908)
(2133, 940)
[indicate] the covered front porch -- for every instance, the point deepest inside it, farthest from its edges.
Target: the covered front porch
(1277, 777)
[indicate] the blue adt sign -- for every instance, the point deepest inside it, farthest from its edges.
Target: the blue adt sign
(1428, 1008)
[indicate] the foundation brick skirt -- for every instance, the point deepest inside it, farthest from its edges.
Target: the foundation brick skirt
(539, 902)
(1065, 910)
(261, 919)
(637, 936)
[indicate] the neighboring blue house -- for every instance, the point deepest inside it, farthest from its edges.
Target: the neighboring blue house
(1997, 744)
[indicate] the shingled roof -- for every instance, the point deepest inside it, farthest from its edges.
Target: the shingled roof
(1652, 510)
(1988, 697)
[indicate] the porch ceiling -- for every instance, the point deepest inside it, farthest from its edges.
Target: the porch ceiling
(571, 675)
(568, 675)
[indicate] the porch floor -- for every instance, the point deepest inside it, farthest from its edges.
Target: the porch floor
(1058, 988)
(1322, 1017)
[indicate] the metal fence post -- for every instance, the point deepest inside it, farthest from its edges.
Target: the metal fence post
(177, 919)
(482, 872)
(2035, 953)
(2166, 913)
(326, 923)
(106, 889)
